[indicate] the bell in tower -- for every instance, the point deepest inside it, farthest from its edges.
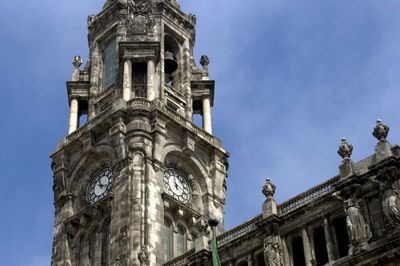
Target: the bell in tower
(135, 183)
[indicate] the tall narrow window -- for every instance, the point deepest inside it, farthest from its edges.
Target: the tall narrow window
(180, 241)
(342, 238)
(167, 240)
(95, 253)
(321, 254)
(298, 252)
(139, 79)
(109, 61)
(105, 261)
(82, 250)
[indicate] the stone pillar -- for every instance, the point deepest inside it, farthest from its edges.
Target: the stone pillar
(73, 116)
(151, 70)
(127, 83)
(330, 247)
(250, 260)
(207, 115)
(307, 247)
(285, 252)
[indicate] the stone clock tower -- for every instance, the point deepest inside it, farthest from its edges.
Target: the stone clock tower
(135, 180)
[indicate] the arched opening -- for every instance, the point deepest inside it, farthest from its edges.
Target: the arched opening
(172, 62)
(260, 259)
(298, 252)
(321, 254)
(167, 245)
(243, 263)
(342, 238)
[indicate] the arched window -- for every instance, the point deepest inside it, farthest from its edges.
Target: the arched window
(180, 241)
(167, 240)
(106, 244)
(109, 64)
(82, 253)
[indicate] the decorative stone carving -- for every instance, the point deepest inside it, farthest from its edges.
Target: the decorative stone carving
(269, 189)
(202, 225)
(77, 61)
(390, 182)
(345, 149)
(204, 61)
(380, 131)
(143, 256)
(357, 229)
(272, 247)
(138, 18)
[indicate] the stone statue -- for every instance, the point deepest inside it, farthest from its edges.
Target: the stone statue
(389, 181)
(357, 229)
(272, 247)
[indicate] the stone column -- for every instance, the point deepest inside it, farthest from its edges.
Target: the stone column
(250, 260)
(127, 83)
(151, 70)
(307, 247)
(285, 252)
(207, 115)
(330, 247)
(73, 116)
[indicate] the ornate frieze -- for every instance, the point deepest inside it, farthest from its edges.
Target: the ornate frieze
(137, 18)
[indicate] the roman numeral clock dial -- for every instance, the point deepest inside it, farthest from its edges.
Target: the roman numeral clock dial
(176, 185)
(100, 185)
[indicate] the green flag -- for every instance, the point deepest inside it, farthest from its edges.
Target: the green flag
(214, 250)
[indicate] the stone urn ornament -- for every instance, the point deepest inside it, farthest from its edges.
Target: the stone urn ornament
(380, 131)
(345, 149)
(268, 189)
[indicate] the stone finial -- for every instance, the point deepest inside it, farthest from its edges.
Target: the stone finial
(204, 61)
(77, 61)
(269, 189)
(380, 131)
(143, 256)
(345, 149)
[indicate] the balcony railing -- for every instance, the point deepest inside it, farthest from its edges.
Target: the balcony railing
(183, 259)
(238, 231)
(306, 197)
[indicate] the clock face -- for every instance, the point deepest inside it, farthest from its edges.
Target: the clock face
(176, 185)
(100, 185)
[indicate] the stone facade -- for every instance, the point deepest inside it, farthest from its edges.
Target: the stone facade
(137, 183)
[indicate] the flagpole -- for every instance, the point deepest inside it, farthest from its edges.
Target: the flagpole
(214, 250)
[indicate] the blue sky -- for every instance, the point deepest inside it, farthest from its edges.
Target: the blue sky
(293, 77)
